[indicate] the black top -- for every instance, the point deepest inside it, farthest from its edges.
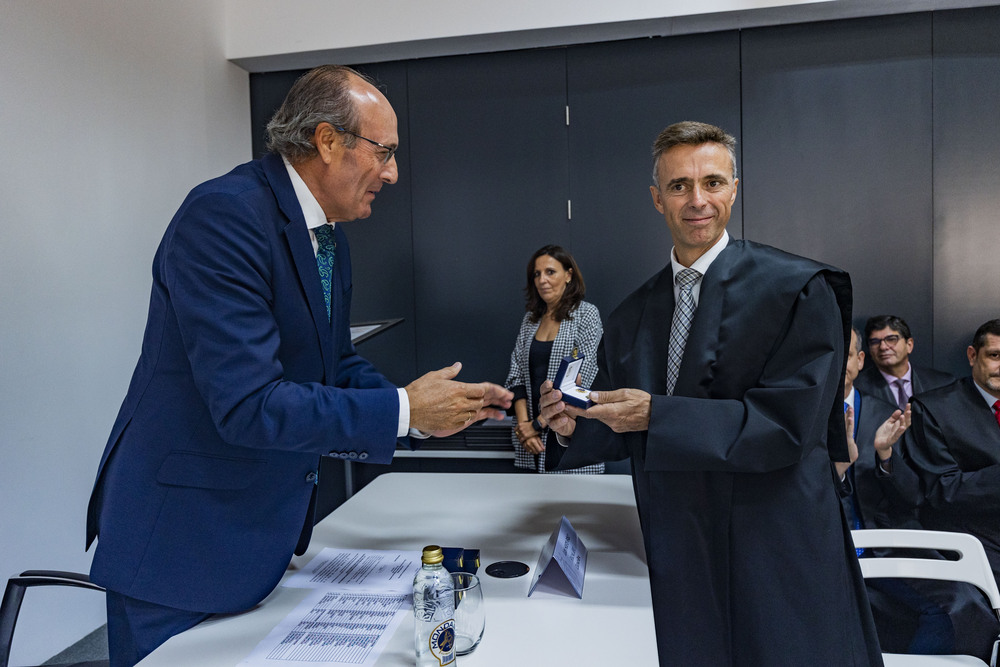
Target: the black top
(538, 369)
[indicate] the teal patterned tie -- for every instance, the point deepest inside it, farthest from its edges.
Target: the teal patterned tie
(324, 260)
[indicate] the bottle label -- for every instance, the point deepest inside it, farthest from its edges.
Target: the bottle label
(442, 642)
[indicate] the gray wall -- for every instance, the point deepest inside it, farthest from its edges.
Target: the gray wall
(111, 112)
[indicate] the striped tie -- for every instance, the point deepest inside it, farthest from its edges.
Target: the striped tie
(681, 325)
(324, 261)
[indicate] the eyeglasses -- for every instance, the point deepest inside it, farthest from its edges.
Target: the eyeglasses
(389, 152)
(891, 339)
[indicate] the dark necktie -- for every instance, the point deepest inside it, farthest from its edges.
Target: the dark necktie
(996, 411)
(901, 399)
(681, 325)
(324, 261)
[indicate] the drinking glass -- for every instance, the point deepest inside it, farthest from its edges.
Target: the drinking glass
(470, 616)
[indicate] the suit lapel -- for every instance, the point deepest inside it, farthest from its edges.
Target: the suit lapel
(987, 435)
(300, 245)
(339, 296)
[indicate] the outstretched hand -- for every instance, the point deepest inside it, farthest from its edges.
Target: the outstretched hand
(622, 410)
(441, 406)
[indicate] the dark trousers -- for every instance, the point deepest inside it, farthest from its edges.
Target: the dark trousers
(932, 617)
(136, 627)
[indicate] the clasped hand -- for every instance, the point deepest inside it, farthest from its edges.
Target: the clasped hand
(529, 438)
(441, 406)
(622, 410)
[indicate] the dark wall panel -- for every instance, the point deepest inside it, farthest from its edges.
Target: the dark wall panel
(382, 250)
(837, 156)
(966, 179)
(489, 171)
(621, 95)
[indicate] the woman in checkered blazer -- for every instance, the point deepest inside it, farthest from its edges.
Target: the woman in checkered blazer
(558, 323)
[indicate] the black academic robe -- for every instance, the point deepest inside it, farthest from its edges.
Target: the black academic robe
(871, 382)
(954, 443)
(750, 558)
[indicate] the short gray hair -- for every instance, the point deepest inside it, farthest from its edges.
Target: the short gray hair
(321, 95)
(691, 133)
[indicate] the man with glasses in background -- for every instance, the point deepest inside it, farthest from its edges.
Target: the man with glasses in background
(891, 377)
(247, 375)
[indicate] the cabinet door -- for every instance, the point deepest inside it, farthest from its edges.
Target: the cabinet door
(966, 179)
(621, 95)
(488, 177)
(837, 132)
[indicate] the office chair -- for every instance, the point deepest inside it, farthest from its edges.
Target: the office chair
(14, 594)
(971, 567)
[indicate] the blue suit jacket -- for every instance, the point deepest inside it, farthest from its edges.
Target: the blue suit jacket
(204, 490)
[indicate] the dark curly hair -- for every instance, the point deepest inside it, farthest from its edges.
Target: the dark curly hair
(572, 296)
(987, 328)
(893, 322)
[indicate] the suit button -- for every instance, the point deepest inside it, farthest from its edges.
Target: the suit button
(342, 455)
(362, 456)
(352, 455)
(312, 477)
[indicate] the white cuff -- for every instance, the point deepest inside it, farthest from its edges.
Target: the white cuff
(403, 425)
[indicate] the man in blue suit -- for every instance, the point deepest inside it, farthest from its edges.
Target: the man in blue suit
(247, 375)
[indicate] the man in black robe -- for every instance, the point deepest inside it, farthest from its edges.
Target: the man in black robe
(954, 444)
(750, 557)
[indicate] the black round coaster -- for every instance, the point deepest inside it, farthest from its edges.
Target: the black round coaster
(506, 569)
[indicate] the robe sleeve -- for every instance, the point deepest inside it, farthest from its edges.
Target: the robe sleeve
(947, 486)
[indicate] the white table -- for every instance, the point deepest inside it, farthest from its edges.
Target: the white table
(506, 516)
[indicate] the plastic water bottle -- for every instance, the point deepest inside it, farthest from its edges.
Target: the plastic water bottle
(434, 611)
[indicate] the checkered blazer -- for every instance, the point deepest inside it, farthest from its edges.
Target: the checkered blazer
(581, 333)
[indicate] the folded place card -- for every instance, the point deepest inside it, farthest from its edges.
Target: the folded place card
(562, 564)
(573, 394)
